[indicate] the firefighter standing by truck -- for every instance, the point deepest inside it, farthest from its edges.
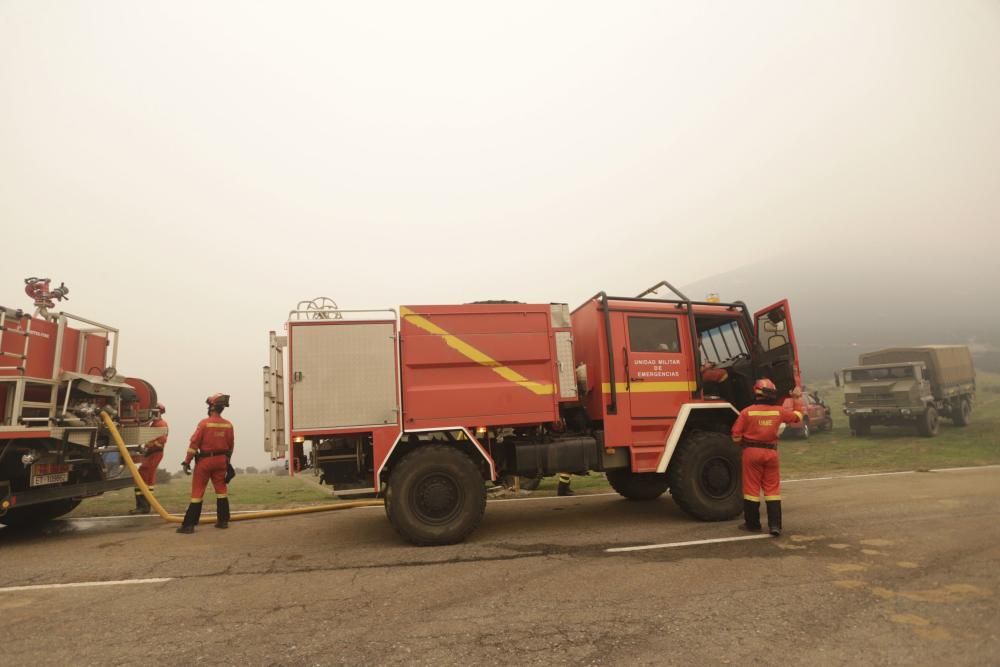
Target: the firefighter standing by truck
(152, 455)
(211, 447)
(756, 431)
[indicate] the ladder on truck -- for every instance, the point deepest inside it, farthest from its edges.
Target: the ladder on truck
(275, 440)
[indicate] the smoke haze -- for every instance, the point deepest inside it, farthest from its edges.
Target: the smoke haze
(192, 170)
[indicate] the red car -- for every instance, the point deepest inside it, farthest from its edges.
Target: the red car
(816, 416)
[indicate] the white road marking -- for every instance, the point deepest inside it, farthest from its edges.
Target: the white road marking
(965, 468)
(86, 584)
(885, 474)
(671, 545)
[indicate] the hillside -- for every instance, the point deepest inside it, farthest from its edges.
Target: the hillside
(844, 303)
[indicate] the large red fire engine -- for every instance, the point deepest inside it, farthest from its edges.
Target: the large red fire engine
(425, 404)
(55, 377)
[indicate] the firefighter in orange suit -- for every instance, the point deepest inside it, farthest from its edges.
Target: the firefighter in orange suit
(150, 461)
(756, 430)
(212, 447)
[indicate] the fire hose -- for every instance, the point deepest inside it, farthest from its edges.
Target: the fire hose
(176, 518)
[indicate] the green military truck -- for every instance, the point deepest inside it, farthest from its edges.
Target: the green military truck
(910, 385)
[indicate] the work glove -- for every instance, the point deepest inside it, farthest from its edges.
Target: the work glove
(187, 467)
(230, 472)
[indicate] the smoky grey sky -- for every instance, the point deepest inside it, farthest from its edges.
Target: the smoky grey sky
(193, 169)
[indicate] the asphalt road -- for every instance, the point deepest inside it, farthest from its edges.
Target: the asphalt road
(897, 569)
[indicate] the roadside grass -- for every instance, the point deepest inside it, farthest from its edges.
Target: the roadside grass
(887, 449)
(896, 448)
(247, 492)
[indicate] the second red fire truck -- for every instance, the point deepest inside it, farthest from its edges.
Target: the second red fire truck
(424, 405)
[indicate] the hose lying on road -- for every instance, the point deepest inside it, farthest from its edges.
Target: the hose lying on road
(175, 518)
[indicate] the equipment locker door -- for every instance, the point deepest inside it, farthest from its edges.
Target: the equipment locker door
(657, 364)
(343, 374)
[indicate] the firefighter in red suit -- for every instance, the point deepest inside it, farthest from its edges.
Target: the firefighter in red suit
(150, 461)
(211, 447)
(756, 430)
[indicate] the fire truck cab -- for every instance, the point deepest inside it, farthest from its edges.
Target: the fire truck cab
(423, 405)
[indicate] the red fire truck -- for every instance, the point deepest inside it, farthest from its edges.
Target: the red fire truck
(423, 405)
(55, 377)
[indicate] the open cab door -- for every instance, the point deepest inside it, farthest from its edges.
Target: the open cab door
(776, 355)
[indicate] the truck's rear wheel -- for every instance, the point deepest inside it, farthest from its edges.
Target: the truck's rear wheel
(962, 412)
(704, 476)
(18, 517)
(927, 423)
(637, 485)
(436, 496)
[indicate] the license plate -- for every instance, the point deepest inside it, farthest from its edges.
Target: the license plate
(49, 473)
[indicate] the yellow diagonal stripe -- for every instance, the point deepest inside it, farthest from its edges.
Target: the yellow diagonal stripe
(650, 387)
(476, 355)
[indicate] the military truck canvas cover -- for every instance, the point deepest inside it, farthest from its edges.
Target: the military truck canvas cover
(948, 366)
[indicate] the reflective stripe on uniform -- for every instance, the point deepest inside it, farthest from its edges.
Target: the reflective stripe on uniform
(191, 451)
(772, 497)
(217, 425)
(763, 413)
(196, 500)
(222, 495)
(752, 499)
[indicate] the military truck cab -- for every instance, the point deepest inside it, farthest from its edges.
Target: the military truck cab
(910, 386)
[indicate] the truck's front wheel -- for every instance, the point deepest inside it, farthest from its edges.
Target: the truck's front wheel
(40, 513)
(859, 427)
(704, 476)
(927, 423)
(637, 485)
(436, 496)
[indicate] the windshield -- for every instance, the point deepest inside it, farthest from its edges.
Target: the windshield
(723, 343)
(869, 374)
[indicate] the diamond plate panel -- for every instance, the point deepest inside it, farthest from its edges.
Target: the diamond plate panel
(343, 375)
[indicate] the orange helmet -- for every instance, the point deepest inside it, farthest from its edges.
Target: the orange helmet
(764, 388)
(216, 401)
(162, 408)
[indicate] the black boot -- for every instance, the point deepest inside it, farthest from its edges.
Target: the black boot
(138, 503)
(563, 488)
(774, 517)
(222, 512)
(751, 516)
(191, 518)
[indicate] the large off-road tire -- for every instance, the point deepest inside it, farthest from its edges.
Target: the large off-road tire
(436, 495)
(637, 485)
(37, 514)
(927, 423)
(704, 476)
(860, 427)
(962, 412)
